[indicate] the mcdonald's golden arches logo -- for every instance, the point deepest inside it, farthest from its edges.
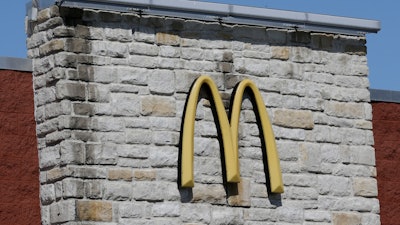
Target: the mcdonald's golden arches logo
(229, 133)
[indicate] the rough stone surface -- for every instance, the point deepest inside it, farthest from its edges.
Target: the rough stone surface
(365, 187)
(346, 218)
(120, 174)
(280, 53)
(145, 175)
(110, 91)
(94, 211)
(294, 119)
(158, 106)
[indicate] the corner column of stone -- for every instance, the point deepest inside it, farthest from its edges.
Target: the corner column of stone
(110, 90)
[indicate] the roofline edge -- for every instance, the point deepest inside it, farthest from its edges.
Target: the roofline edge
(226, 13)
(18, 64)
(379, 95)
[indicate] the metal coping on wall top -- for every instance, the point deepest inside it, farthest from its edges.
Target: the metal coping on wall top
(225, 13)
(385, 96)
(18, 64)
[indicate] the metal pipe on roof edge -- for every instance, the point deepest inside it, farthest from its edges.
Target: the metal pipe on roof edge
(229, 13)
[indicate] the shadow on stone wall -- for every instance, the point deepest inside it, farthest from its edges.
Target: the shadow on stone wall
(194, 29)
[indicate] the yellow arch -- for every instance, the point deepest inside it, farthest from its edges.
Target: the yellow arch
(275, 175)
(231, 157)
(229, 132)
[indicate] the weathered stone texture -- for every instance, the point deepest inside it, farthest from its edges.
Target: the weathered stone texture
(158, 106)
(94, 211)
(294, 119)
(52, 47)
(110, 91)
(365, 187)
(63, 211)
(346, 218)
(120, 174)
(145, 175)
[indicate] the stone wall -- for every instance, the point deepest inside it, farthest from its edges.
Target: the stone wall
(386, 122)
(110, 90)
(19, 170)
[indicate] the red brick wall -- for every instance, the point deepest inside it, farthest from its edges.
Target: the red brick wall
(386, 127)
(19, 173)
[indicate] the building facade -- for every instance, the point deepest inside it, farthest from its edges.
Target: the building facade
(112, 86)
(110, 92)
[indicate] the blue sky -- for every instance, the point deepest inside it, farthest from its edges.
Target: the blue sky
(383, 48)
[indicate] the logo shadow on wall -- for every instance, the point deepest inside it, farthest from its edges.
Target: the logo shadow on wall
(228, 135)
